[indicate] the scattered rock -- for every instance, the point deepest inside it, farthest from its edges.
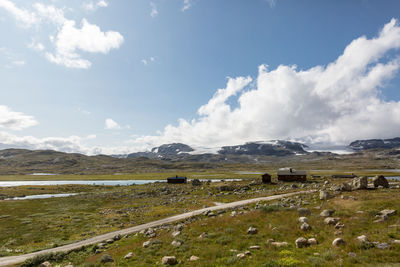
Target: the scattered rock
(382, 245)
(339, 225)
(252, 231)
(45, 264)
(240, 256)
(396, 241)
(117, 237)
(303, 211)
(106, 258)
(194, 258)
(383, 215)
(359, 183)
(176, 243)
(303, 220)
(338, 242)
(279, 244)
(169, 260)
(327, 213)
(178, 227)
(254, 247)
(331, 221)
(380, 180)
(324, 195)
(301, 242)
(110, 241)
(69, 265)
(128, 256)
(338, 232)
(146, 243)
(312, 241)
(305, 227)
(203, 235)
(175, 233)
(234, 213)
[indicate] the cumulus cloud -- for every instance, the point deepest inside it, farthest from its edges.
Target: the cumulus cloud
(110, 124)
(14, 120)
(70, 40)
(332, 104)
(88, 38)
(154, 10)
(91, 6)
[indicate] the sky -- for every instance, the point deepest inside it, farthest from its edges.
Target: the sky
(120, 76)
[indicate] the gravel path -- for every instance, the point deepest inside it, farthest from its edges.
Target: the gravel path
(11, 260)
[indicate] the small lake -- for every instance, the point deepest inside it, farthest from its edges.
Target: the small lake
(95, 182)
(41, 196)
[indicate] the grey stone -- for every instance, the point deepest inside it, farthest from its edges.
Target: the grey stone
(331, 221)
(45, 264)
(194, 258)
(128, 256)
(252, 230)
(169, 260)
(327, 213)
(301, 242)
(312, 241)
(176, 243)
(359, 183)
(196, 182)
(324, 195)
(338, 242)
(380, 180)
(305, 227)
(106, 258)
(303, 220)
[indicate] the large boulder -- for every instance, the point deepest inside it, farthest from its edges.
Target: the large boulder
(359, 183)
(106, 258)
(380, 180)
(338, 242)
(345, 187)
(303, 211)
(327, 213)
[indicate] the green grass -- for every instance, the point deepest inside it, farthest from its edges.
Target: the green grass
(226, 233)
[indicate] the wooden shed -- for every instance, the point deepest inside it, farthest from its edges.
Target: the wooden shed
(266, 178)
(291, 175)
(176, 180)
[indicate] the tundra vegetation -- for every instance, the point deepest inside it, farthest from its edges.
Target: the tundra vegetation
(264, 234)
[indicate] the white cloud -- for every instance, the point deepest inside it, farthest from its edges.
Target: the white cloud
(37, 46)
(13, 120)
(18, 63)
(332, 104)
(147, 61)
(110, 124)
(154, 11)
(23, 16)
(89, 38)
(91, 6)
(70, 40)
(186, 5)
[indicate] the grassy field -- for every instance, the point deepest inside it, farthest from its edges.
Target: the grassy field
(227, 237)
(30, 225)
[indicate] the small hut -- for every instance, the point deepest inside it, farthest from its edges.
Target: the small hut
(176, 180)
(291, 175)
(266, 178)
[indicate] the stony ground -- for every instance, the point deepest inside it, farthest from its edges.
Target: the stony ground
(345, 228)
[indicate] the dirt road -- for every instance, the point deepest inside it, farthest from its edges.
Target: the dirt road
(11, 260)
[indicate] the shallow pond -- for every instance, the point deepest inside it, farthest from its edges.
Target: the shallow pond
(41, 196)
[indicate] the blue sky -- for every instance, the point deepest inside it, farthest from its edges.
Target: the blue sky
(118, 76)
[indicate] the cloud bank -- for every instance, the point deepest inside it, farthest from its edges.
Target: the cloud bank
(13, 120)
(332, 104)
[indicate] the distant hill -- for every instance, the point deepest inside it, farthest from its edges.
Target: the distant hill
(375, 144)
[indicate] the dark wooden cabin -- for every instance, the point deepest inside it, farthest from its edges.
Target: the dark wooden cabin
(176, 180)
(291, 175)
(266, 178)
(344, 175)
